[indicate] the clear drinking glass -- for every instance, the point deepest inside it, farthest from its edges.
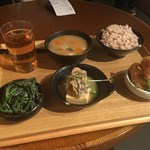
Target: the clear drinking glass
(19, 39)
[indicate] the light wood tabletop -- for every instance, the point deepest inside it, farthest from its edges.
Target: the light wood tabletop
(55, 125)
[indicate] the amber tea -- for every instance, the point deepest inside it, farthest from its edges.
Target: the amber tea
(21, 46)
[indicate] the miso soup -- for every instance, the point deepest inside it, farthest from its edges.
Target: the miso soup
(68, 45)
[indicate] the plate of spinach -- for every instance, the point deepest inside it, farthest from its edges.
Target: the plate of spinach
(20, 99)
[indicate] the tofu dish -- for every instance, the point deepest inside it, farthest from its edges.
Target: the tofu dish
(78, 89)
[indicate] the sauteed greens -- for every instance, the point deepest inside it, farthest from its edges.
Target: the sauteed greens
(20, 96)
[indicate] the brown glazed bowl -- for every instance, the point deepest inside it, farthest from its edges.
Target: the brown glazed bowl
(69, 59)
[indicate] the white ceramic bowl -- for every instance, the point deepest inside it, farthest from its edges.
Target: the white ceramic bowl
(137, 91)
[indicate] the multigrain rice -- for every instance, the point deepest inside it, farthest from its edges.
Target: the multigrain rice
(119, 37)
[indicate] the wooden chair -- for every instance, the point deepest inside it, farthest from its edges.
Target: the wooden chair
(143, 6)
(8, 2)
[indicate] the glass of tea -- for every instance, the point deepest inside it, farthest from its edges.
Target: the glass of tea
(19, 39)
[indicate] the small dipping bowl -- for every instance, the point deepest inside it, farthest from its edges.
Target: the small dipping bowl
(67, 58)
(119, 53)
(135, 90)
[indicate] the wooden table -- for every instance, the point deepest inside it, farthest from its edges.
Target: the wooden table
(119, 113)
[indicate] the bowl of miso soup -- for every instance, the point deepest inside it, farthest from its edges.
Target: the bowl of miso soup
(68, 46)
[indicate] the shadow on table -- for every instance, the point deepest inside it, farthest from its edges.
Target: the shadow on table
(97, 53)
(45, 61)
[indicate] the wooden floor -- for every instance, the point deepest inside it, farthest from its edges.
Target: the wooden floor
(139, 141)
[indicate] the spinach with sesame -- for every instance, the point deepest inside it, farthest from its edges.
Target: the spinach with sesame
(20, 96)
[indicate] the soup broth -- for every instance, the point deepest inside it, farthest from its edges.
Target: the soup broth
(68, 45)
(92, 85)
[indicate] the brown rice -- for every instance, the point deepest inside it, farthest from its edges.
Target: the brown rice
(119, 37)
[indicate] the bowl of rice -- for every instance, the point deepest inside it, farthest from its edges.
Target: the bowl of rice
(119, 40)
